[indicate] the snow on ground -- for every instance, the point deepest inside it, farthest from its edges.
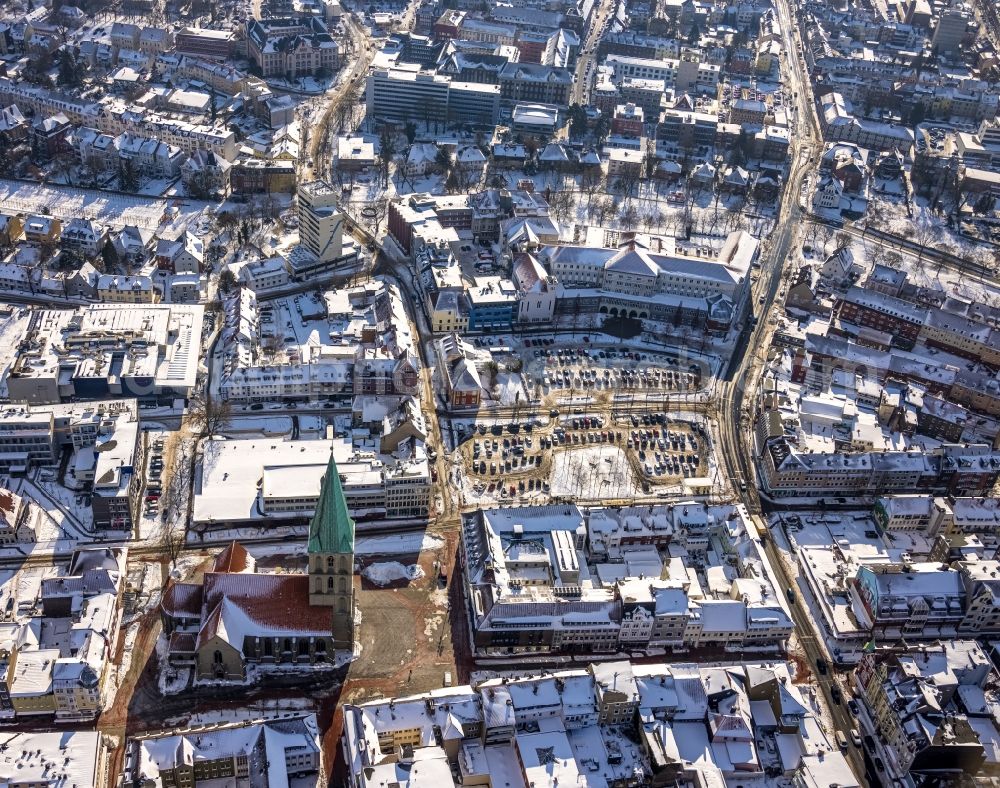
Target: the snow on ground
(593, 472)
(12, 329)
(922, 272)
(384, 573)
(70, 518)
(509, 388)
(284, 707)
(397, 543)
(120, 671)
(145, 579)
(185, 565)
(169, 679)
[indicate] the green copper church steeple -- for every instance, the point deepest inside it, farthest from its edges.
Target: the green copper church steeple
(331, 529)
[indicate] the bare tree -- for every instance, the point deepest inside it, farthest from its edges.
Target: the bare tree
(592, 182)
(923, 234)
(387, 151)
(893, 259)
(380, 209)
(561, 204)
(628, 216)
(208, 415)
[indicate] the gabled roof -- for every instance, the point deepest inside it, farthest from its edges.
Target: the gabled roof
(633, 261)
(182, 599)
(553, 152)
(237, 605)
(331, 529)
(233, 559)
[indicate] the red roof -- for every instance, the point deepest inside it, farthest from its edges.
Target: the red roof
(181, 643)
(272, 602)
(182, 600)
(233, 559)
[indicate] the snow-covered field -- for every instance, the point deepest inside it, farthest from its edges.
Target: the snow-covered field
(384, 573)
(593, 472)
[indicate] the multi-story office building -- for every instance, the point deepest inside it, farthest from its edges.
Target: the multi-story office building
(404, 93)
(204, 42)
(321, 229)
(659, 282)
(535, 83)
(291, 47)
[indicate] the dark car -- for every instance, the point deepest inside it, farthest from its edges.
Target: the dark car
(821, 665)
(879, 765)
(853, 706)
(835, 694)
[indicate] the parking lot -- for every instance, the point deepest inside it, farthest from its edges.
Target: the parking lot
(613, 370)
(518, 462)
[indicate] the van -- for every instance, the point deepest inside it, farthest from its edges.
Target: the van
(841, 739)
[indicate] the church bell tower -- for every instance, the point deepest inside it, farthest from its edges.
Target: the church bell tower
(331, 557)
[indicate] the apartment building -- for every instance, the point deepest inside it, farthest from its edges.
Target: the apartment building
(85, 237)
(546, 594)
(580, 726)
(63, 661)
(920, 706)
(901, 319)
(255, 754)
(955, 469)
(220, 76)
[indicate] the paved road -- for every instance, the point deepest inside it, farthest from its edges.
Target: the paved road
(587, 62)
(322, 143)
(742, 378)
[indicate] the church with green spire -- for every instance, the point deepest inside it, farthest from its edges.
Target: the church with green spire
(331, 557)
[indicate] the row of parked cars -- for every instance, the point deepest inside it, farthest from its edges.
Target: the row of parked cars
(154, 478)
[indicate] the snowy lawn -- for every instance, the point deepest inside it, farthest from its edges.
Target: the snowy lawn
(593, 472)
